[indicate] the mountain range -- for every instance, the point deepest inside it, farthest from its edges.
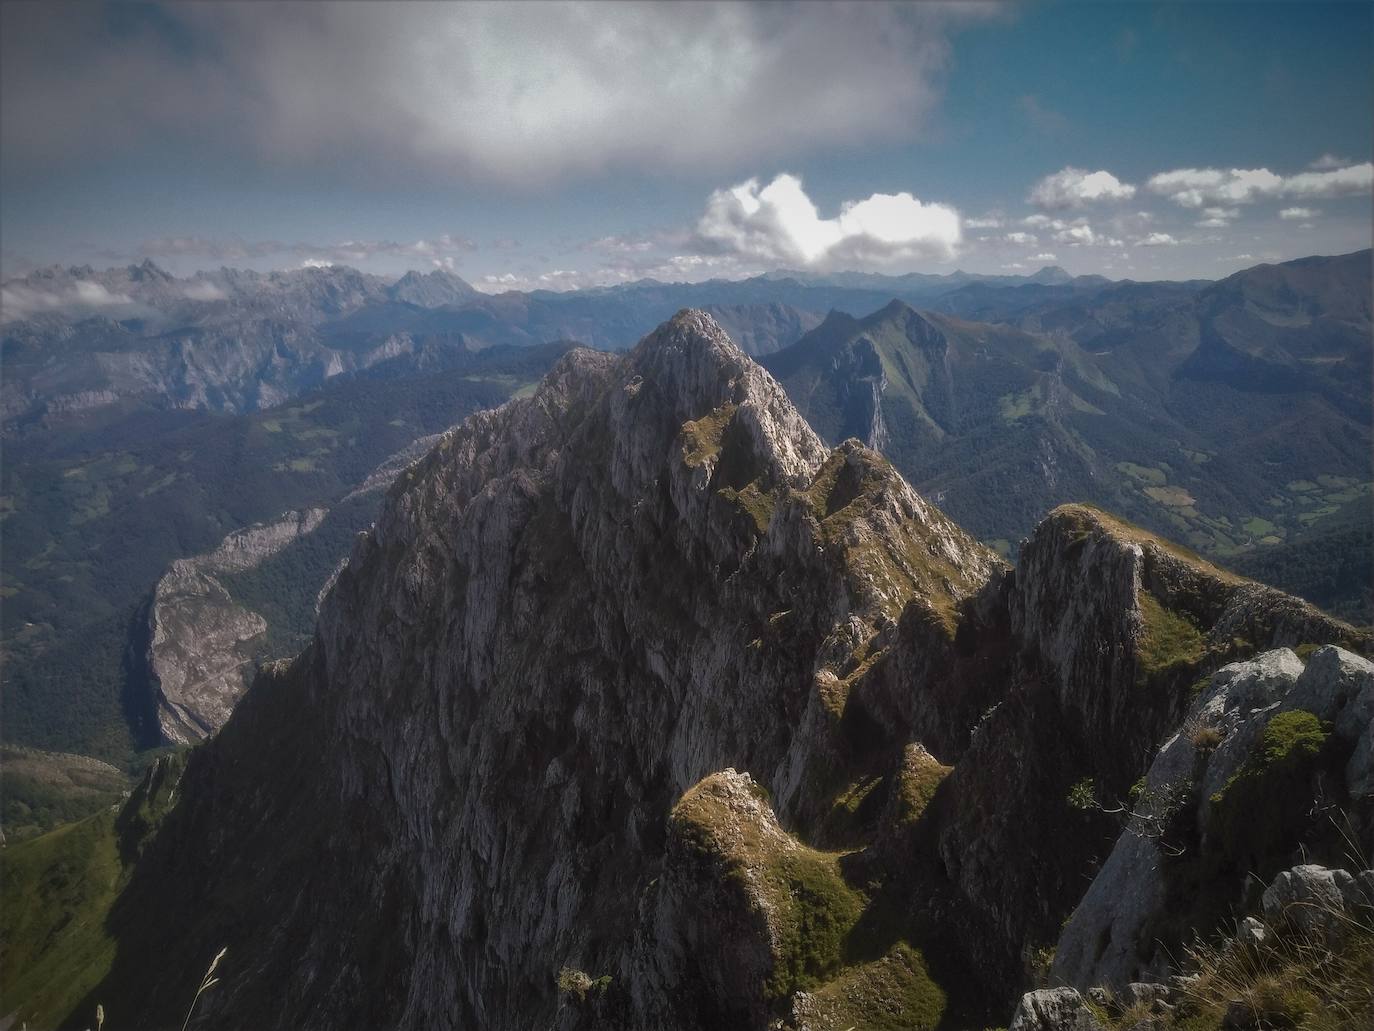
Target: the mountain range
(640, 706)
(1233, 417)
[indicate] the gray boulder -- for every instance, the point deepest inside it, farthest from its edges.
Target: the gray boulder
(1053, 1009)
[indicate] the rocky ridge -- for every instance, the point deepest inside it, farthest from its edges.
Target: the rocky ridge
(517, 733)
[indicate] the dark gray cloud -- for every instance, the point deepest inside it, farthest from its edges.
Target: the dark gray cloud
(524, 92)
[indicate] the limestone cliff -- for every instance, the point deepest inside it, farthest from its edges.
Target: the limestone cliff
(200, 640)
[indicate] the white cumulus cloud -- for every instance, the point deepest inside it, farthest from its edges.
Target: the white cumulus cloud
(1074, 187)
(1022, 238)
(1046, 256)
(1157, 240)
(1298, 213)
(780, 223)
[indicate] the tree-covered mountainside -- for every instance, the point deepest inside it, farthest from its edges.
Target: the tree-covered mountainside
(1232, 417)
(95, 508)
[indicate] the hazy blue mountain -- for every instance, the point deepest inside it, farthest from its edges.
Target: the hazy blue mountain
(1230, 416)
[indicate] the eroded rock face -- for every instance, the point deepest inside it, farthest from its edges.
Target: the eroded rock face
(200, 651)
(504, 749)
(574, 609)
(1118, 932)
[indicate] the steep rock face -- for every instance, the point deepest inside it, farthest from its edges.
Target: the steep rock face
(1182, 860)
(1109, 629)
(200, 652)
(573, 610)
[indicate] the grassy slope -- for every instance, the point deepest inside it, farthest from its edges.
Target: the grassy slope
(57, 890)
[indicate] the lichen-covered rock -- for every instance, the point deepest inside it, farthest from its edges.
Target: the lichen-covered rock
(1223, 776)
(1053, 1009)
(1318, 902)
(1338, 686)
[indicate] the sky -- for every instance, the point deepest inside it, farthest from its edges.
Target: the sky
(572, 145)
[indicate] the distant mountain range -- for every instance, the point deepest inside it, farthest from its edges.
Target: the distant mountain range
(234, 340)
(1229, 415)
(148, 417)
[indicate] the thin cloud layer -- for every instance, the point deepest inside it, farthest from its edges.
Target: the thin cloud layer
(526, 92)
(1197, 187)
(780, 223)
(22, 301)
(1074, 188)
(440, 251)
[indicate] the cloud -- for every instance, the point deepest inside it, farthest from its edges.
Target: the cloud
(1297, 213)
(1157, 240)
(22, 300)
(1197, 187)
(779, 223)
(203, 290)
(1046, 256)
(986, 222)
(1074, 187)
(511, 93)
(441, 251)
(1329, 161)
(1080, 234)
(1022, 238)
(1337, 183)
(1217, 218)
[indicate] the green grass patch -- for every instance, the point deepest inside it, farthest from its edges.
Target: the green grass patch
(1259, 526)
(894, 993)
(1168, 641)
(921, 774)
(1143, 473)
(757, 504)
(56, 892)
(1175, 497)
(1265, 805)
(701, 437)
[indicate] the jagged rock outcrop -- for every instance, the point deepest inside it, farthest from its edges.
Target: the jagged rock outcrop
(200, 640)
(1228, 798)
(511, 749)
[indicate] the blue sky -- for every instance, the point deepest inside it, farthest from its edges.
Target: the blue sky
(572, 145)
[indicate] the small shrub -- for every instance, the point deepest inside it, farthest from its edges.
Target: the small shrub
(1083, 795)
(1205, 737)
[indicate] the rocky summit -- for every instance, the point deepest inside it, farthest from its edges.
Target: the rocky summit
(638, 707)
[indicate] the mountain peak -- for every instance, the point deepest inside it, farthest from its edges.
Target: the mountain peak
(1050, 275)
(433, 289)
